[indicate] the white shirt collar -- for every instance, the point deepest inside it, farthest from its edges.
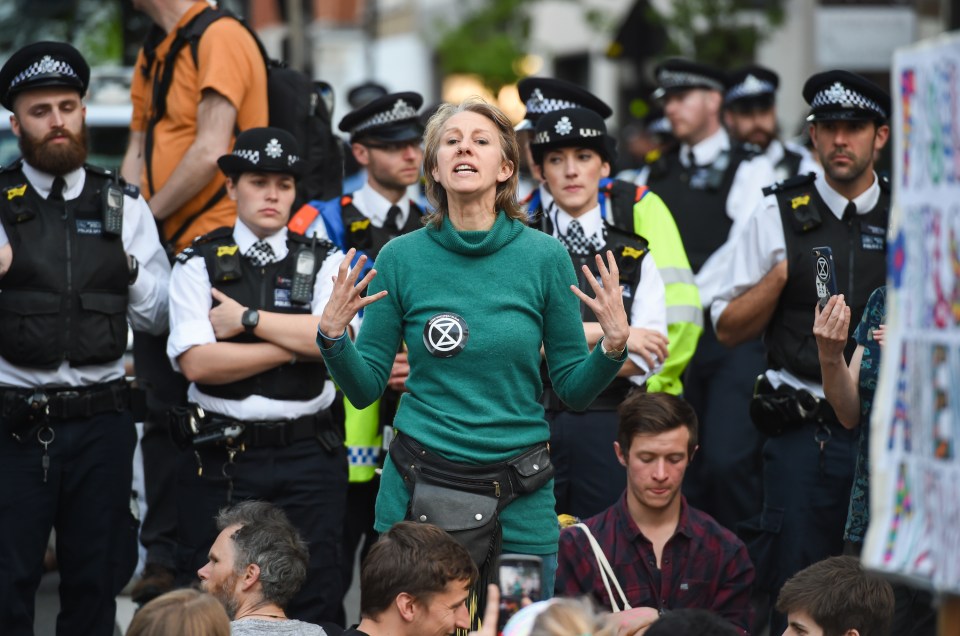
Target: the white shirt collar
(245, 238)
(375, 206)
(42, 182)
(707, 151)
(591, 221)
(837, 202)
(546, 198)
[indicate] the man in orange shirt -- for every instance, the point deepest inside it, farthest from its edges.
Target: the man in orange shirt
(218, 88)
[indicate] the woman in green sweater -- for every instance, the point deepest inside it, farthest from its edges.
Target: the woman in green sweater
(475, 295)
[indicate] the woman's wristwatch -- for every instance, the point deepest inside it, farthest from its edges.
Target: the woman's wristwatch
(613, 354)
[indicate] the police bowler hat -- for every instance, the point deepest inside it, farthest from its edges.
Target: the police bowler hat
(678, 74)
(263, 150)
(750, 87)
(40, 65)
(542, 95)
(845, 95)
(572, 128)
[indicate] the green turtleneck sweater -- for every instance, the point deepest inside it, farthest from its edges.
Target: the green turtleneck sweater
(511, 287)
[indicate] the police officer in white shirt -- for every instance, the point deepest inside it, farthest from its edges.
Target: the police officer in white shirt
(243, 307)
(711, 184)
(573, 152)
(79, 257)
(808, 461)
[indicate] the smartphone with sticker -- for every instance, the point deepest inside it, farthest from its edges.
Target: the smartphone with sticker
(826, 274)
(520, 584)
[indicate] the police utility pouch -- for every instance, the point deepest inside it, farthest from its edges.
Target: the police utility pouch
(112, 206)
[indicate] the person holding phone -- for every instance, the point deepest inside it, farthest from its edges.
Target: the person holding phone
(476, 295)
(808, 460)
(244, 301)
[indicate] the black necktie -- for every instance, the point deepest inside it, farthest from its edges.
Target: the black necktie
(691, 159)
(850, 211)
(393, 219)
(56, 190)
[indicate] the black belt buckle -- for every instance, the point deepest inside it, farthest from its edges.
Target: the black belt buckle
(273, 433)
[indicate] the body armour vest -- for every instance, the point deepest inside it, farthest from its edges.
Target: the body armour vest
(65, 296)
(697, 198)
(361, 234)
(859, 252)
(267, 288)
(629, 250)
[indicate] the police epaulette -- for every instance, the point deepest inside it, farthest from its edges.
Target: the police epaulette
(98, 170)
(792, 182)
(16, 165)
(186, 254)
(884, 182)
(219, 233)
(129, 189)
(323, 245)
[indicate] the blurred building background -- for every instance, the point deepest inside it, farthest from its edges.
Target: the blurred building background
(447, 50)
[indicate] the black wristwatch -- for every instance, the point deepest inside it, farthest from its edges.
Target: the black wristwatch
(134, 268)
(250, 320)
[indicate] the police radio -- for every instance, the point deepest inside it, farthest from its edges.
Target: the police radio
(113, 208)
(301, 290)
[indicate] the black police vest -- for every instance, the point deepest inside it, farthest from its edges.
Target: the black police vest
(629, 250)
(360, 233)
(859, 252)
(267, 288)
(789, 164)
(65, 296)
(697, 198)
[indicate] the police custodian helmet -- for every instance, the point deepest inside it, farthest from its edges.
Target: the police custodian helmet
(40, 65)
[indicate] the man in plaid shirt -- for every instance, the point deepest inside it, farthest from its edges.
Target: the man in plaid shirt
(665, 553)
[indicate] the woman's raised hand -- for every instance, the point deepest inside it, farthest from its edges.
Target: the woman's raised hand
(607, 306)
(346, 299)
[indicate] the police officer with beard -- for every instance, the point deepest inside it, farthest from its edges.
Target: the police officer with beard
(79, 257)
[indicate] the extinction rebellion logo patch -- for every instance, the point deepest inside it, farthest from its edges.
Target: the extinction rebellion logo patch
(445, 335)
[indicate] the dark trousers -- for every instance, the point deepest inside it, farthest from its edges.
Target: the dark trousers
(358, 530)
(723, 478)
(164, 388)
(86, 497)
(303, 479)
(806, 493)
(589, 478)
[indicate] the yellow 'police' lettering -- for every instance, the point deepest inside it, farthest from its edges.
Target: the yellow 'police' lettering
(629, 252)
(227, 250)
(16, 191)
(356, 226)
(796, 202)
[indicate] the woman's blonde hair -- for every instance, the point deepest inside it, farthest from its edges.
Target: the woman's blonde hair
(184, 612)
(571, 617)
(509, 151)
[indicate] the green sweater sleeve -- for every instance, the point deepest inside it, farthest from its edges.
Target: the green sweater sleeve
(362, 370)
(653, 221)
(577, 378)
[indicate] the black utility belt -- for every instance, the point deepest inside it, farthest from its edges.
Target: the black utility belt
(609, 400)
(191, 426)
(466, 499)
(786, 408)
(66, 403)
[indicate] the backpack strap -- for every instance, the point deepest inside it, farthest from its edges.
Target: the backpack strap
(606, 571)
(622, 197)
(303, 218)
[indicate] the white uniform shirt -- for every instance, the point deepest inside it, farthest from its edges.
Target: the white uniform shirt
(147, 305)
(372, 205)
(745, 194)
(761, 246)
(649, 309)
(190, 304)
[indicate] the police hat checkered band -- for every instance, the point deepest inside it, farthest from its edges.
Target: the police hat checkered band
(751, 86)
(840, 96)
(253, 156)
(540, 105)
(401, 111)
(46, 65)
(682, 79)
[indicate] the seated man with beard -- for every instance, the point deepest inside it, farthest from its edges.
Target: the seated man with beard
(79, 258)
(256, 565)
